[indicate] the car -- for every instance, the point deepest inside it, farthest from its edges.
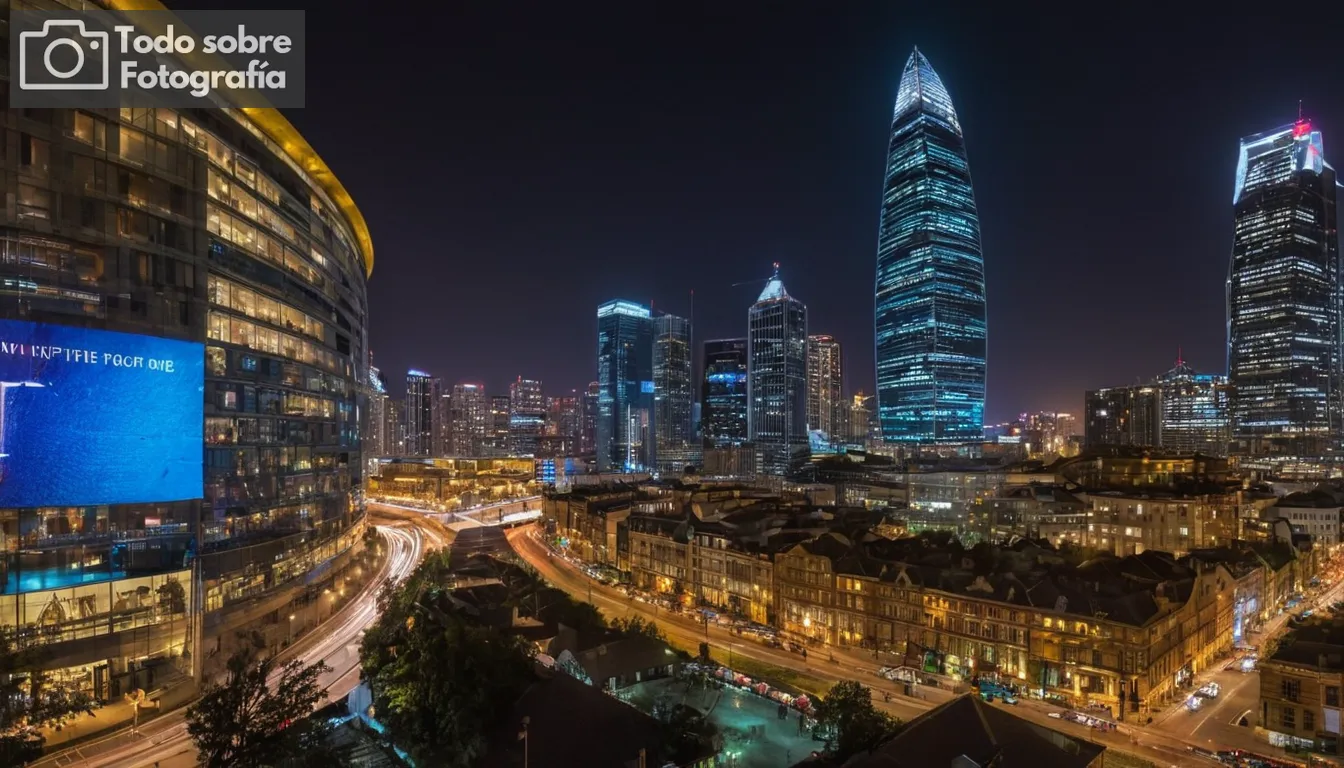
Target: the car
(1193, 703)
(1209, 690)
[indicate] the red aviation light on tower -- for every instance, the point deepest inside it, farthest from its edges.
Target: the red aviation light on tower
(1301, 128)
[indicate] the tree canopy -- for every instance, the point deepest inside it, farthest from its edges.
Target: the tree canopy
(850, 722)
(439, 682)
(245, 722)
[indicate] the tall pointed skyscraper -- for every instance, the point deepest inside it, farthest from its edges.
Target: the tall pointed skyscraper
(1283, 297)
(930, 304)
(777, 379)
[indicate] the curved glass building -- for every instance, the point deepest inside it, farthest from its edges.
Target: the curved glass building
(220, 244)
(930, 302)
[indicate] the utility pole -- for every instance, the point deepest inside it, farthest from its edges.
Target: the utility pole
(523, 736)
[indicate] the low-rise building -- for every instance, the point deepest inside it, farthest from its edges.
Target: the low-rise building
(1021, 510)
(1317, 513)
(1132, 523)
(1300, 685)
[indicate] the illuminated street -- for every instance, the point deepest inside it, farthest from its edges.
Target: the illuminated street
(1168, 748)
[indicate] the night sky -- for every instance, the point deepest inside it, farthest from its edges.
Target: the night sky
(519, 163)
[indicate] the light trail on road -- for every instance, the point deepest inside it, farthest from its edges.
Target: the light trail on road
(165, 741)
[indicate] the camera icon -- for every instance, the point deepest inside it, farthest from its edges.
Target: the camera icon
(64, 56)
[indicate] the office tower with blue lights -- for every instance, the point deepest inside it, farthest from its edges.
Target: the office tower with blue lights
(723, 394)
(527, 416)
(1283, 297)
(777, 379)
(930, 302)
(626, 436)
(673, 393)
(422, 413)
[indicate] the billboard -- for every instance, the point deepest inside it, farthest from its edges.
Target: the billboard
(94, 417)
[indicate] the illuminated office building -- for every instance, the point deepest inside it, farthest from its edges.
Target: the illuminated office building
(827, 411)
(527, 416)
(588, 443)
(1043, 434)
(498, 441)
(422, 413)
(723, 413)
(672, 392)
(626, 438)
(862, 421)
(468, 420)
(1194, 411)
(377, 444)
(930, 306)
(224, 231)
(777, 379)
(1283, 297)
(564, 425)
(1123, 416)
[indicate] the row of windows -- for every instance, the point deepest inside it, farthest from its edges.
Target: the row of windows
(230, 295)
(233, 330)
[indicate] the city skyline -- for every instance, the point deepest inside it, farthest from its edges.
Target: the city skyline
(793, 175)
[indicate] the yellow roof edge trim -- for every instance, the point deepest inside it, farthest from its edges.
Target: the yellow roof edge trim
(283, 133)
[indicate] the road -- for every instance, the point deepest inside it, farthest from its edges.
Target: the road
(1216, 724)
(164, 741)
(1163, 748)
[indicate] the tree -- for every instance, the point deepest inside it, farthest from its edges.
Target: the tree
(439, 683)
(579, 616)
(689, 735)
(27, 703)
(850, 722)
(246, 721)
(636, 625)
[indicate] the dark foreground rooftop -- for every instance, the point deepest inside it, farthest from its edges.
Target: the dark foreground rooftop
(967, 732)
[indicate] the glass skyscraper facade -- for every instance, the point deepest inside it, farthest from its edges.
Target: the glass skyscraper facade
(673, 392)
(625, 415)
(422, 405)
(527, 416)
(723, 393)
(1123, 416)
(1194, 411)
(1283, 297)
(930, 296)
(827, 411)
(468, 420)
(225, 229)
(777, 379)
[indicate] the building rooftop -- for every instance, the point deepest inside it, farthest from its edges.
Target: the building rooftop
(1130, 590)
(966, 728)
(624, 655)
(1316, 645)
(609, 733)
